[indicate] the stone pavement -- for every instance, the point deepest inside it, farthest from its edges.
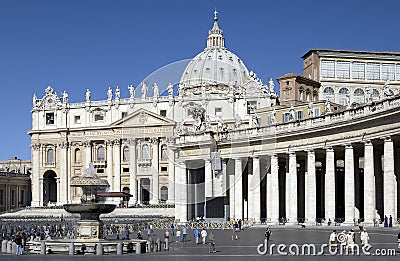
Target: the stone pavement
(246, 247)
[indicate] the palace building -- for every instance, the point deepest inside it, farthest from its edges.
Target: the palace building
(227, 146)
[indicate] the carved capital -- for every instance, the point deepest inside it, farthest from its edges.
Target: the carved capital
(154, 141)
(116, 142)
(36, 146)
(87, 144)
(63, 145)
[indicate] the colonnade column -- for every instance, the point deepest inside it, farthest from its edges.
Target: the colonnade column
(369, 183)
(254, 196)
(35, 175)
(154, 172)
(389, 180)
(311, 196)
(349, 190)
(208, 179)
(132, 172)
(291, 189)
(171, 175)
(232, 195)
(238, 189)
(64, 173)
(273, 190)
(117, 165)
(181, 192)
(330, 196)
(109, 169)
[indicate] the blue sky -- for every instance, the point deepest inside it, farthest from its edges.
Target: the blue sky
(74, 45)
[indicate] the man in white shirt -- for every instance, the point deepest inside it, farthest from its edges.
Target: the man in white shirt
(203, 235)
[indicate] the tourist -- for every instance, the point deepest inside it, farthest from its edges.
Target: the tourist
(178, 235)
(234, 233)
(196, 235)
(364, 238)
(139, 234)
(184, 234)
(240, 224)
(211, 237)
(333, 241)
(343, 240)
(173, 229)
(390, 221)
(267, 234)
(203, 234)
(350, 242)
(126, 232)
(385, 223)
(18, 242)
(166, 235)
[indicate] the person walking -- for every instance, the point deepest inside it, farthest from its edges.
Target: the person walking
(333, 241)
(364, 238)
(178, 236)
(166, 235)
(18, 242)
(173, 229)
(196, 235)
(385, 223)
(350, 243)
(267, 234)
(127, 232)
(211, 238)
(390, 221)
(203, 235)
(184, 234)
(234, 233)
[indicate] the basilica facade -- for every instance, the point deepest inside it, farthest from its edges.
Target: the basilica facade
(227, 147)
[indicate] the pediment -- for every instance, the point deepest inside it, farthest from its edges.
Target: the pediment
(143, 117)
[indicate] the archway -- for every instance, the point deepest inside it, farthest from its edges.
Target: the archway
(49, 187)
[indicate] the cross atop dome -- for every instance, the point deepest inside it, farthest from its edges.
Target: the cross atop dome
(215, 35)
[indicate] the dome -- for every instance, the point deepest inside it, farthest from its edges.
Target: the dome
(214, 67)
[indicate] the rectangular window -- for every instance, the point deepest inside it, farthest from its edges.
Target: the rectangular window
(373, 71)
(50, 118)
(123, 114)
(13, 197)
(343, 69)
(327, 69)
(125, 170)
(398, 72)
(22, 194)
(299, 115)
(98, 117)
(316, 112)
(387, 71)
(77, 119)
(1, 197)
(286, 117)
(358, 70)
(164, 169)
(163, 113)
(218, 111)
(100, 171)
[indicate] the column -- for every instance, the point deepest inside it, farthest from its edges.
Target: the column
(171, 175)
(330, 202)
(117, 165)
(181, 192)
(63, 173)
(311, 196)
(369, 183)
(291, 189)
(273, 190)
(238, 189)
(154, 172)
(109, 169)
(389, 180)
(35, 175)
(254, 195)
(208, 179)
(349, 185)
(88, 153)
(232, 195)
(132, 172)
(224, 178)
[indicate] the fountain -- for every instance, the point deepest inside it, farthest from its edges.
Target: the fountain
(90, 227)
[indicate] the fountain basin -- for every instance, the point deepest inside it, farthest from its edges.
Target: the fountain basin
(90, 211)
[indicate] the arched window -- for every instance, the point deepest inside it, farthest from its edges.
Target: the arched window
(164, 193)
(342, 95)
(328, 94)
(164, 152)
(301, 93)
(145, 152)
(50, 156)
(359, 96)
(77, 157)
(375, 95)
(100, 154)
(125, 154)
